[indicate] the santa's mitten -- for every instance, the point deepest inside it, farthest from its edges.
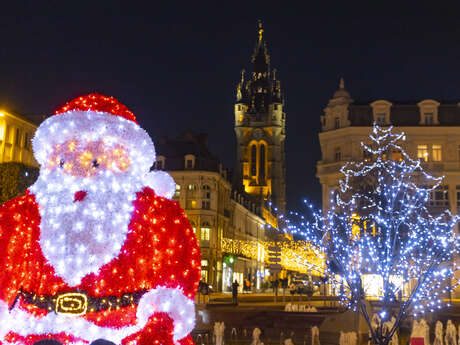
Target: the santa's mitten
(161, 182)
(172, 302)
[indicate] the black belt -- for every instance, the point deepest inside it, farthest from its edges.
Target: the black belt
(79, 303)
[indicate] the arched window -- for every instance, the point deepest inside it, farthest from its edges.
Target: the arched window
(253, 160)
(262, 162)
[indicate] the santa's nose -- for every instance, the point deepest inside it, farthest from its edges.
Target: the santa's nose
(79, 196)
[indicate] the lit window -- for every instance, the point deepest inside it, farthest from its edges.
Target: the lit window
(191, 186)
(367, 156)
(337, 122)
(422, 152)
(429, 118)
(381, 119)
(204, 275)
(204, 234)
(437, 153)
(177, 193)
(337, 155)
(396, 155)
(204, 263)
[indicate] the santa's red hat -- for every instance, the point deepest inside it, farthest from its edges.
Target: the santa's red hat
(95, 117)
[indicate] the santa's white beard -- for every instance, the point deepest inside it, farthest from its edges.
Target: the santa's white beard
(79, 237)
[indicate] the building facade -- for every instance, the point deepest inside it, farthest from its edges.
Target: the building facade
(260, 127)
(215, 211)
(16, 133)
(432, 129)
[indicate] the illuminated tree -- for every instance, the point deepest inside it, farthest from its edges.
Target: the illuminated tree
(381, 239)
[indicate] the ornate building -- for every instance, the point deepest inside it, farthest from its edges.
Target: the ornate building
(16, 133)
(217, 214)
(433, 135)
(260, 127)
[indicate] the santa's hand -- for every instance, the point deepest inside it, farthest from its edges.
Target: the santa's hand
(161, 182)
(173, 302)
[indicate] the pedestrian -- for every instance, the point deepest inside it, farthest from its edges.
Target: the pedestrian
(235, 286)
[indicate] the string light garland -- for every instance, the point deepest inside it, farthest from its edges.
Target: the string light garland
(378, 225)
(95, 249)
(297, 256)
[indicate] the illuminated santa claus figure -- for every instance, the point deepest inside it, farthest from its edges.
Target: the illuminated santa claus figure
(94, 249)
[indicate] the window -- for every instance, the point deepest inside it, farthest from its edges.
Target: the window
(422, 152)
(204, 275)
(337, 123)
(437, 153)
(253, 160)
(276, 106)
(337, 154)
(381, 119)
(160, 163)
(18, 137)
(439, 196)
(204, 263)
(262, 162)
(26, 141)
(191, 186)
(429, 118)
(204, 234)
(367, 156)
(396, 155)
(458, 196)
(206, 204)
(189, 161)
(2, 133)
(206, 192)
(177, 193)
(191, 204)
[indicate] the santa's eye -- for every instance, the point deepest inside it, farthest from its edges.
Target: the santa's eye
(61, 163)
(95, 163)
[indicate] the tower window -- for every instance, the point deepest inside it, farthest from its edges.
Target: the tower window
(253, 160)
(262, 162)
(337, 122)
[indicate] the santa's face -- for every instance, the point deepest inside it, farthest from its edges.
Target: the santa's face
(86, 159)
(85, 196)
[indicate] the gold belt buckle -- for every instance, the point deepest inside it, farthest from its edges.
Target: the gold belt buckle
(72, 303)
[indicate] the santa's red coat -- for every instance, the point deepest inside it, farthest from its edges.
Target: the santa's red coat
(160, 250)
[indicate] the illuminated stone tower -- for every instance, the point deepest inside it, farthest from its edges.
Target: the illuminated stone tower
(260, 127)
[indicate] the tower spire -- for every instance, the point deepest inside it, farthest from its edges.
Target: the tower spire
(342, 84)
(261, 31)
(260, 59)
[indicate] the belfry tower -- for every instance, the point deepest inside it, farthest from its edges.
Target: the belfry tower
(260, 127)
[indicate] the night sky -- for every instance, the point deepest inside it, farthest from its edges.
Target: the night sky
(176, 64)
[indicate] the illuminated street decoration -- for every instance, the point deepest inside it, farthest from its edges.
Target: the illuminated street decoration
(380, 237)
(296, 256)
(95, 249)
